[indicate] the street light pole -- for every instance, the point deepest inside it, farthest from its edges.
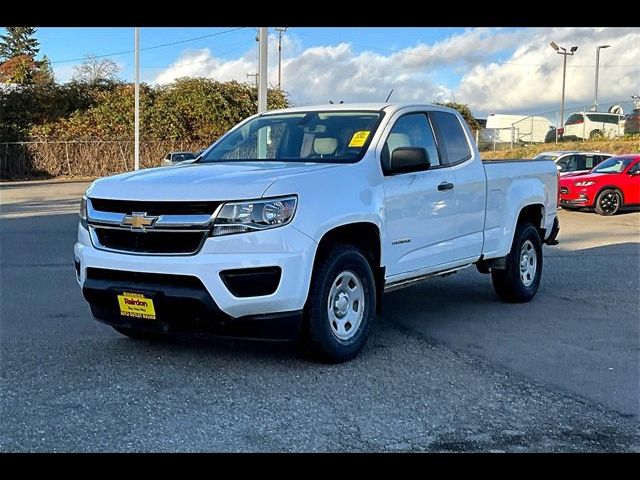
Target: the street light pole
(262, 69)
(136, 120)
(280, 31)
(564, 52)
(595, 97)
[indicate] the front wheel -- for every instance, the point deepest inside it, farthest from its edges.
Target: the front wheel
(608, 202)
(519, 281)
(341, 305)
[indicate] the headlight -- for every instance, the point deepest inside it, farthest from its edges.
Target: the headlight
(586, 183)
(241, 217)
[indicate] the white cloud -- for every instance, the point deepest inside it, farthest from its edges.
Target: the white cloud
(533, 82)
(63, 73)
(336, 72)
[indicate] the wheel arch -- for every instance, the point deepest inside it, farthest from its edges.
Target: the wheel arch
(609, 187)
(363, 235)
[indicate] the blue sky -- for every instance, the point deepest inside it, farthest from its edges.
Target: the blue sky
(510, 70)
(64, 43)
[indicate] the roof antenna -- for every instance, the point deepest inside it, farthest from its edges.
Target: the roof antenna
(389, 96)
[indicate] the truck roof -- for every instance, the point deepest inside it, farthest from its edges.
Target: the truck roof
(373, 107)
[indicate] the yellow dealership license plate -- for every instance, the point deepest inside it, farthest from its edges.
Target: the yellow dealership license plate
(136, 305)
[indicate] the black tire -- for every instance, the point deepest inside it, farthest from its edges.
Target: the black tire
(507, 283)
(596, 134)
(321, 341)
(136, 334)
(608, 202)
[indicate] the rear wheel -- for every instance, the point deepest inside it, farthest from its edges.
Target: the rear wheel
(341, 305)
(596, 134)
(608, 202)
(520, 279)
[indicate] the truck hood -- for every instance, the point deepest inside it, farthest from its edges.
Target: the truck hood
(200, 181)
(570, 180)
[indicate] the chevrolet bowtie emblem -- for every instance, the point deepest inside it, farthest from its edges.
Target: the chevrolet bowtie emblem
(138, 220)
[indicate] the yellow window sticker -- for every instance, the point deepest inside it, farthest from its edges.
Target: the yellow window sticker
(359, 138)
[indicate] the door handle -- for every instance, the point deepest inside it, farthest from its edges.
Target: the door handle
(445, 186)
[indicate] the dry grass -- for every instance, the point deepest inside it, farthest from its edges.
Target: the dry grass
(620, 146)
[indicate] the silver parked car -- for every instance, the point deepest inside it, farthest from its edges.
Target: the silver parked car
(573, 161)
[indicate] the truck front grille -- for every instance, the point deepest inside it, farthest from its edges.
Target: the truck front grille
(149, 242)
(154, 208)
(171, 228)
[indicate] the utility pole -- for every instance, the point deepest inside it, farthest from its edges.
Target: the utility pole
(595, 96)
(262, 69)
(564, 52)
(136, 120)
(280, 31)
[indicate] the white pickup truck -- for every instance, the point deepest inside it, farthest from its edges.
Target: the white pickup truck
(294, 223)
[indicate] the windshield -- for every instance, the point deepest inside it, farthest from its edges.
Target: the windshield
(332, 137)
(613, 165)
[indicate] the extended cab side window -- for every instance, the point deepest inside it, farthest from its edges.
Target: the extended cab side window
(451, 138)
(411, 130)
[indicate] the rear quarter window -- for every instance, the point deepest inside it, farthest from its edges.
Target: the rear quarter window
(574, 119)
(452, 141)
(603, 118)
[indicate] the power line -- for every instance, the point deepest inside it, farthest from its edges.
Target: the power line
(154, 46)
(245, 44)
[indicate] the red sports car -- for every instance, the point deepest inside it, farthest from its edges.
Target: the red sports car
(612, 185)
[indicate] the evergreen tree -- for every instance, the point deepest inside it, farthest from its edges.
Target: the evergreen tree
(19, 41)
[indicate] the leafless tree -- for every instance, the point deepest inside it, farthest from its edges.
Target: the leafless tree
(93, 70)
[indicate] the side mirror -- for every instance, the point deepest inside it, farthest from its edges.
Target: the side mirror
(409, 159)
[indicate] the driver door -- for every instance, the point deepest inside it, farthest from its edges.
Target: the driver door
(420, 207)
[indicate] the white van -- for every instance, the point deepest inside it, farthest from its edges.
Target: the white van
(583, 125)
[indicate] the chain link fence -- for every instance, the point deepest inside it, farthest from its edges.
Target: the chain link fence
(507, 131)
(86, 158)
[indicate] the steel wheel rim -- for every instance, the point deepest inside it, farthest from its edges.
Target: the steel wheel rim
(609, 202)
(345, 305)
(528, 263)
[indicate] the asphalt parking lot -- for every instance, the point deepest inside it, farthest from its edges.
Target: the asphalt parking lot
(447, 367)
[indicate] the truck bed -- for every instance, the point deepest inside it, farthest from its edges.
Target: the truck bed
(511, 184)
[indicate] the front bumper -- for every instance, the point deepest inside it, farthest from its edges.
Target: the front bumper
(575, 197)
(212, 304)
(182, 307)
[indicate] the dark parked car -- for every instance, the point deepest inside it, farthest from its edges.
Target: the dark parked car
(173, 158)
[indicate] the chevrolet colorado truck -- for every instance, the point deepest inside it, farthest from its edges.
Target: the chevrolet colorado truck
(294, 223)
